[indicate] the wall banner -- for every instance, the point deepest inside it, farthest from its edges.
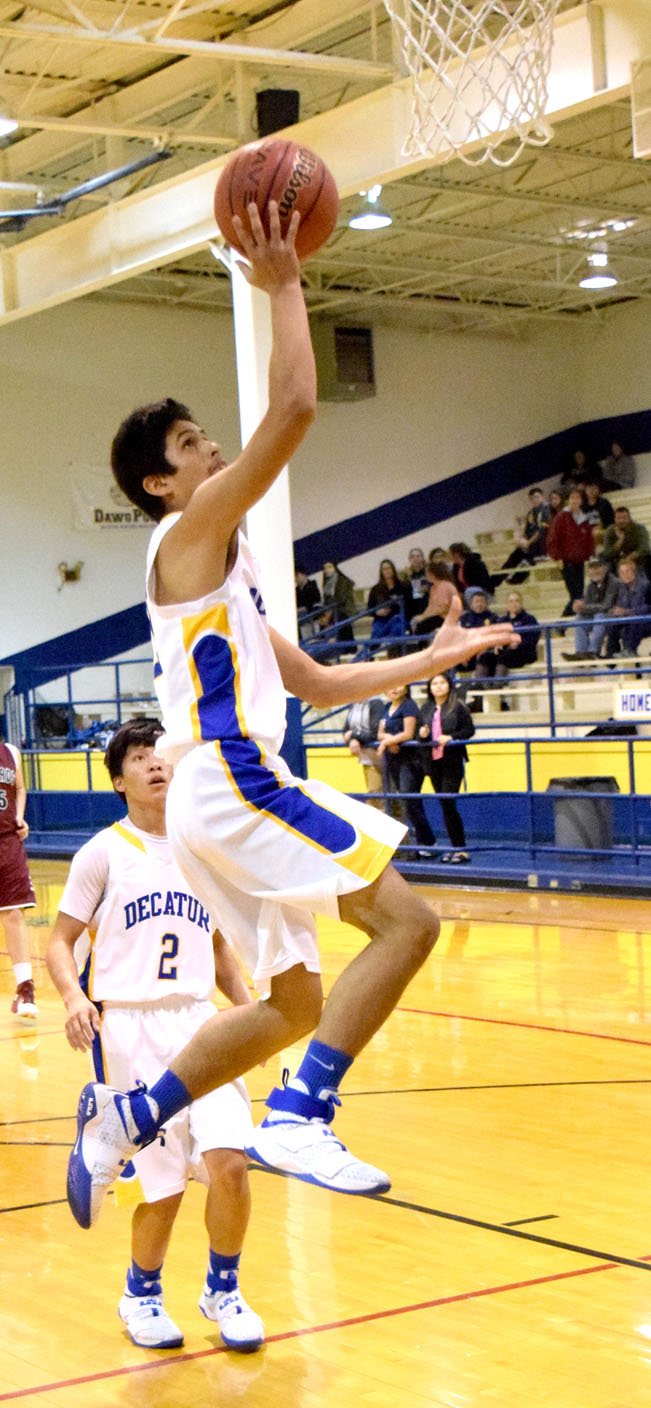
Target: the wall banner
(99, 503)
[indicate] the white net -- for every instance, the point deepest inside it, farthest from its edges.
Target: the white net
(479, 71)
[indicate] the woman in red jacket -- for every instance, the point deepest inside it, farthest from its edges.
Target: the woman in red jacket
(570, 542)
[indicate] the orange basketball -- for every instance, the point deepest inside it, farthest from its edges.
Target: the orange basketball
(276, 169)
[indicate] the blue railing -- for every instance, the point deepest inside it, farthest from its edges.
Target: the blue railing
(550, 679)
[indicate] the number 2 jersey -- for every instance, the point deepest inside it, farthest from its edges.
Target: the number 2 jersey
(149, 937)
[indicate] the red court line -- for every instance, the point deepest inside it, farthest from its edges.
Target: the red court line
(526, 1026)
(314, 1330)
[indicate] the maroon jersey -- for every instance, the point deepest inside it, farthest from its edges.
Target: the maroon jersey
(15, 885)
(7, 791)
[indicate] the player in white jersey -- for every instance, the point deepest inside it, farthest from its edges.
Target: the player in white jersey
(150, 954)
(265, 848)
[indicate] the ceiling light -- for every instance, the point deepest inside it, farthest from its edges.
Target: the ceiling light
(372, 215)
(7, 125)
(598, 281)
(599, 275)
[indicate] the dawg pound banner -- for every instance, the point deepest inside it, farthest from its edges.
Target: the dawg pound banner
(99, 503)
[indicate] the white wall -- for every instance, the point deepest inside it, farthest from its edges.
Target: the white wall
(68, 378)
(444, 404)
(615, 363)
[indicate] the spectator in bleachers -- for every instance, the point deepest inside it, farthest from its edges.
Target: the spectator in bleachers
(619, 469)
(531, 539)
(338, 599)
(580, 470)
(446, 724)
(396, 735)
(469, 569)
(632, 600)
(360, 734)
(415, 576)
(570, 542)
(625, 538)
(599, 509)
(478, 613)
(555, 502)
(593, 610)
(441, 592)
(388, 600)
(516, 657)
(308, 598)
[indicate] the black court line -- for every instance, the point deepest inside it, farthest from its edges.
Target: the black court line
(502, 1227)
(542, 1217)
(35, 1119)
(35, 1144)
(505, 1085)
(507, 1231)
(27, 1207)
(404, 1090)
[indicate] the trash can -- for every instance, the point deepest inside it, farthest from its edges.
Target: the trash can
(583, 822)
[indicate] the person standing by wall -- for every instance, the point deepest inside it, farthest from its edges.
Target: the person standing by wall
(360, 734)
(16, 890)
(397, 733)
(446, 724)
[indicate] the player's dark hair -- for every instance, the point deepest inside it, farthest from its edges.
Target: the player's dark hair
(139, 449)
(137, 733)
(536, 490)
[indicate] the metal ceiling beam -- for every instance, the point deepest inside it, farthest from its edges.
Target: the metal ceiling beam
(175, 136)
(147, 97)
(203, 48)
(175, 217)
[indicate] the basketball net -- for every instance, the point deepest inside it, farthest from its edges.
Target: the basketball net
(479, 73)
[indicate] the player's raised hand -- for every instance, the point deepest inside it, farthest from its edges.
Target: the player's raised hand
(273, 260)
(453, 644)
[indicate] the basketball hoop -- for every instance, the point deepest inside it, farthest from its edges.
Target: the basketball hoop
(479, 73)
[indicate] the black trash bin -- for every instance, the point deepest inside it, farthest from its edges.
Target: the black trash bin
(583, 822)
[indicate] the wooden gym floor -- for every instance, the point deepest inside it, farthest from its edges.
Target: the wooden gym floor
(509, 1264)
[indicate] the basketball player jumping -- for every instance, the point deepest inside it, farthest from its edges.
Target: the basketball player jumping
(262, 849)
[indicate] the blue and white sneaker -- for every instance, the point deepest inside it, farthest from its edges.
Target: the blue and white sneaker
(107, 1137)
(308, 1149)
(148, 1323)
(239, 1325)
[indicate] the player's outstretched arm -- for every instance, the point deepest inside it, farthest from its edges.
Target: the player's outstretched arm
(82, 1017)
(325, 686)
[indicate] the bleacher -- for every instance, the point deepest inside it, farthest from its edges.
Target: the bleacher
(582, 689)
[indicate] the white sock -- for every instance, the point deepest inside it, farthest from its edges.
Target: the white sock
(23, 972)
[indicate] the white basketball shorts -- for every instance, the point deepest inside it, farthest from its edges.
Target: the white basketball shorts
(264, 850)
(138, 1043)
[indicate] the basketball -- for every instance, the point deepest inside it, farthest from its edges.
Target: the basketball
(294, 176)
